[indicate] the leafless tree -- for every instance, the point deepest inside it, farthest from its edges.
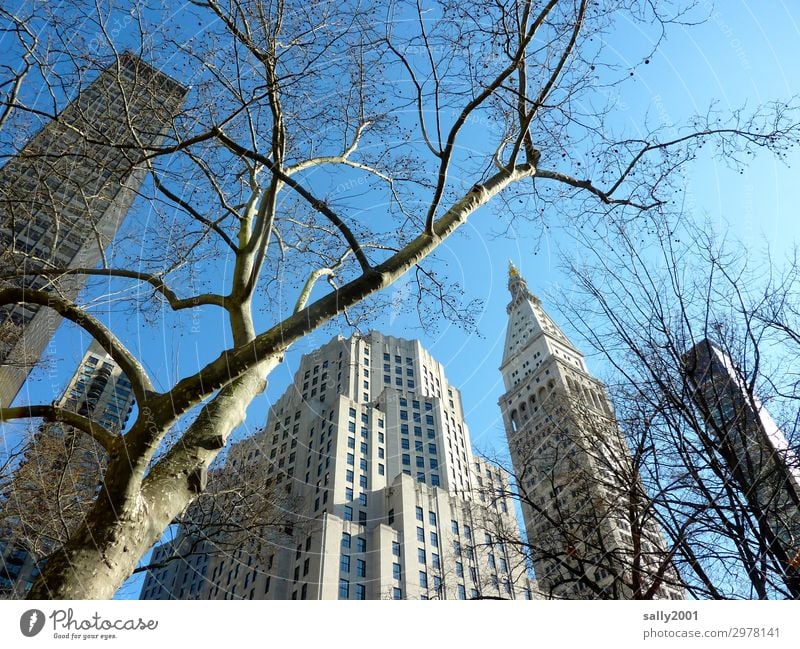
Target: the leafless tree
(323, 151)
(732, 516)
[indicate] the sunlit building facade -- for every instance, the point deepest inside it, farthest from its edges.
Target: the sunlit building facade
(371, 439)
(572, 465)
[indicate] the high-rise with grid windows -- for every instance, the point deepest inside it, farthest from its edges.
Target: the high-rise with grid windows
(392, 504)
(64, 195)
(60, 474)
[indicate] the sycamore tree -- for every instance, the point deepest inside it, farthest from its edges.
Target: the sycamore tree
(323, 151)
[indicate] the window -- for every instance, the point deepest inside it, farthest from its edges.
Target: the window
(396, 571)
(362, 481)
(421, 555)
(361, 544)
(362, 500)
(381, 453)
(351, 442)
(503, 565)
(429, 420)
(361, 591)
(419, 513)
(380, 435)
(344, 563)
(434, 539)
(396, 548)
(420, 462)
(362, 517)
(459, 569)
(418, 446)
(351, 460)
(363, 448)
(423, 579)
(397, 593)
(492, 562)
(348, 513)
(404, 429)
(348, 493)
(420, 476)
(435, 561)
(420, 535)
(362, 464)
(344, 589)
(345, 540)
(462, 592)
(381, 469)
(361, 568)
(404, 443)
(454, 526)
(432, 449)
(406, 459)
(349, 475)
(391, 516)
(403, 415)
(432, 518)
(434, 480)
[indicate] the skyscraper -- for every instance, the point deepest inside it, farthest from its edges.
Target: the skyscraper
(371, 440)
(571, 463)
(65, 194)
(58, 478)
(755, 450)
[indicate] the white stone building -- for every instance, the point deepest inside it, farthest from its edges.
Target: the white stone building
(573, 468)
(371, 439)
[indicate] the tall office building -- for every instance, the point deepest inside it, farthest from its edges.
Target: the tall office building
(58, 478)
(65, 194)
(754, 448)
(391, 503)
(572, 465)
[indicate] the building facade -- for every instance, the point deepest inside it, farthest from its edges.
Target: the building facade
(64, 195)
(755, 450)
(370, 438)
(572, 467)
(59, 476)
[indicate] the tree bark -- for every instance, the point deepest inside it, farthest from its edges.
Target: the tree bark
(104, 551)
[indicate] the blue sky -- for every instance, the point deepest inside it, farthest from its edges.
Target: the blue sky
(746, 53)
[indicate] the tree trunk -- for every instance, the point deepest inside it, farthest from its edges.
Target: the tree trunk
(104, 551)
